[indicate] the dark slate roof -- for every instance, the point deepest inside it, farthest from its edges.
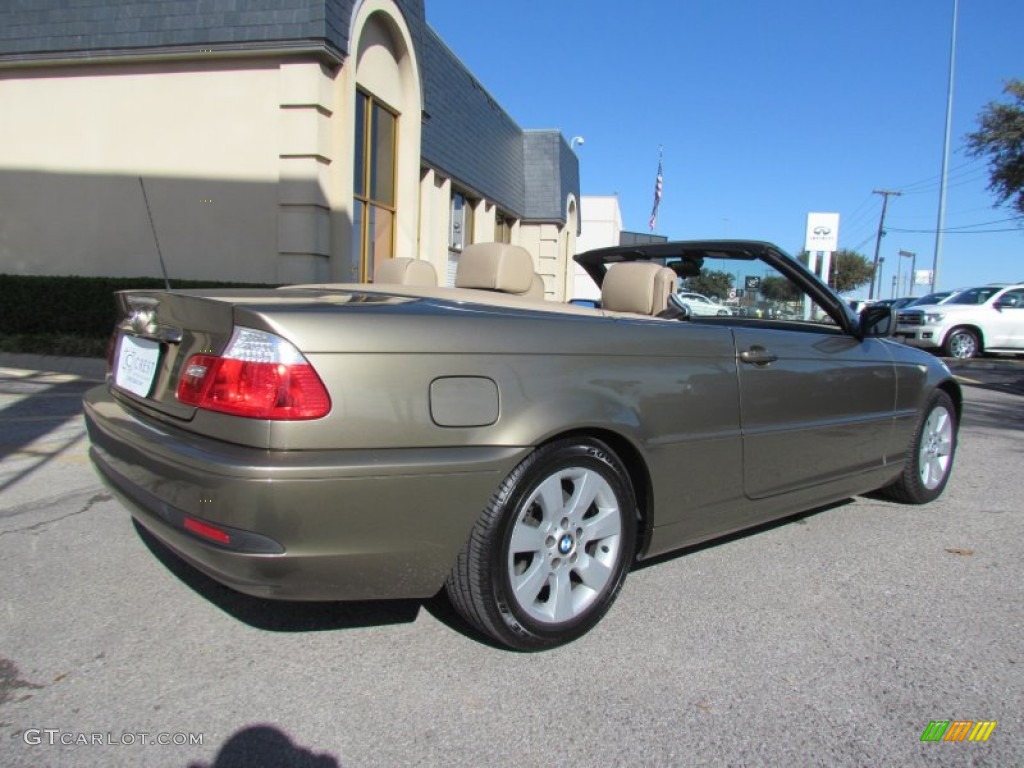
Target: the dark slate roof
(466, 133)
(469, 137)
(551, 171)
(33, 28)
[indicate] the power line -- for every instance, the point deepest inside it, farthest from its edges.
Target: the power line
(854, 221)
(959, 213)
(958, 181)
(955, 231)
(965, 229)
(864, 242)
(932, 182)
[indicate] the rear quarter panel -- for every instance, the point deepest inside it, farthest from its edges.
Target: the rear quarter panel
(669, 389)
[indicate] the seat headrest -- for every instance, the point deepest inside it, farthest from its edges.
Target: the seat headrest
(405, 271)
(642, 287)
(536, 290)
(495, 267)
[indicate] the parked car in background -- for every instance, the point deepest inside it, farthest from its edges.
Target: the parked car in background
(939, 297)
(988, 318)
(899, 303)
(362, 442)
(699, 304)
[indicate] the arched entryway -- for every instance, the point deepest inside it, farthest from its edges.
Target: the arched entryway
(385, 93)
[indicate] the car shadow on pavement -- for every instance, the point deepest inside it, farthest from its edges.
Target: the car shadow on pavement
(282, 615)
(994, 415)
(322, 616)
(799, 518)
(1002, 411)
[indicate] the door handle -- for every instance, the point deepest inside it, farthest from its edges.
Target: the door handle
(757, 356)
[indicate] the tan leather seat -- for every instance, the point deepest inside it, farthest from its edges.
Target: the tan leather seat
(497, 267)
(405, 271)
(536, 287)
(642, 287)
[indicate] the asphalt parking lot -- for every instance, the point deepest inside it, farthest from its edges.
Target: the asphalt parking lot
(831, 639)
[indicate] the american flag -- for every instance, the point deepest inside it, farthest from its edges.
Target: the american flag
(657, 197)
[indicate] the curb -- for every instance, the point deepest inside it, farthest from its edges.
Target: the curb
(86, 368)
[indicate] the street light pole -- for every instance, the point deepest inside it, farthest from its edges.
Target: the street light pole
(941, 223)
(896, 283)
(913, 270)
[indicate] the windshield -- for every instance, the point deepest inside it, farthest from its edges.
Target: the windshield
(931, 298)
(974, 295)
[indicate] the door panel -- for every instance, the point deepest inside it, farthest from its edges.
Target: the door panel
(815, 405)
(1005, 327)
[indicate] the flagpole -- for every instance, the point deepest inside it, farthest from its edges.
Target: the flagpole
(658, 182)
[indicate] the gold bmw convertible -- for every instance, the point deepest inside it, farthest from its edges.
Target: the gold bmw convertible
(353, 442)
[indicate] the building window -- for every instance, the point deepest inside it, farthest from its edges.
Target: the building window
(502, 228)
(460, 231)
(373, 215)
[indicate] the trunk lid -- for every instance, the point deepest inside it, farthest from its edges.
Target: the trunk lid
(159, 331)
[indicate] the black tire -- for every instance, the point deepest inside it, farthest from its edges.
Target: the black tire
(930, 456)
(571, 558)
(962, 343)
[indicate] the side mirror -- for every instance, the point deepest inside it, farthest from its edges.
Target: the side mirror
(1007, 302)
(677, 309)
(877, 321)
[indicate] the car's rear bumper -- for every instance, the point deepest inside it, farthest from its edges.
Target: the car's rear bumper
(305, 525)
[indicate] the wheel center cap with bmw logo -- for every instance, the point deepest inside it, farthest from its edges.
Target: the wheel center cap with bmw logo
(565, 544)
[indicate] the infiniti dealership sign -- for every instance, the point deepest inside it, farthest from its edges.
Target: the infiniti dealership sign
(822, 232)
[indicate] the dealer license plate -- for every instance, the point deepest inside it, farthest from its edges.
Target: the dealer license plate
(136, 365)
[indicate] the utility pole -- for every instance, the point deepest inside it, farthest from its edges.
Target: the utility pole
(881, 231)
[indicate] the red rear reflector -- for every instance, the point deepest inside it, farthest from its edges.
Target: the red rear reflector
(207, 531)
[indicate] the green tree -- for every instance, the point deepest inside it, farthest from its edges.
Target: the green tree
(850, 270)
(711, 282)
(1000, 138)
(777, 288)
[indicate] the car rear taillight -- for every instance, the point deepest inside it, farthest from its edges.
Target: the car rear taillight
(259, 376)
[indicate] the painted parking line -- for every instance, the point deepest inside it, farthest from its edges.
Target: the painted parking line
(966, 380)
(44, 377)
(54, 417)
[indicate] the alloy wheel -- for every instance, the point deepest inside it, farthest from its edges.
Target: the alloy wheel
(936, 448)
(564, 546)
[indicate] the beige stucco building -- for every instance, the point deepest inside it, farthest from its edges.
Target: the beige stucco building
(304, 143)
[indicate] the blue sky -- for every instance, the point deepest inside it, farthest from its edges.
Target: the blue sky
(766, 111)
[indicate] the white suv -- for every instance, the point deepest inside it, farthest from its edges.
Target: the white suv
(989, 318)
(701, 305)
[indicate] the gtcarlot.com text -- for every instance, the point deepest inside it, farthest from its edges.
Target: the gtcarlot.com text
(56, 736)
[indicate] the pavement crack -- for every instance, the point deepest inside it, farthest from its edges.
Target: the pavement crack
(96, 498)
(10, 681)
